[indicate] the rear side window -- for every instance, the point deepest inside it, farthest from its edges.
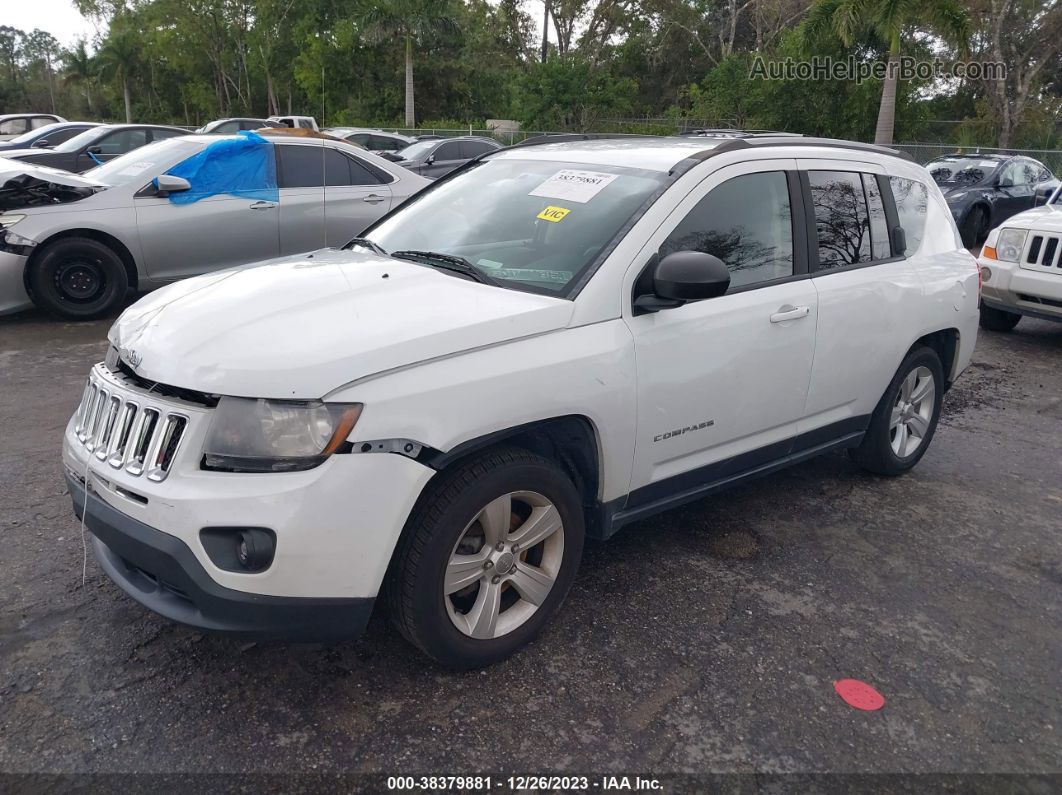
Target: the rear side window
(305, 124)
(162, 135)
(343, 170)
(912, 199)
(842, 219)
(747, 222)
(300, 167)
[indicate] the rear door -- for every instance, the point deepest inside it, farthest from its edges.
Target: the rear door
(301, 179)
(356, 194)
(867, 293)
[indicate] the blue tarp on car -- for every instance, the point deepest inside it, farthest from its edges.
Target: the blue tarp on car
(243, 167)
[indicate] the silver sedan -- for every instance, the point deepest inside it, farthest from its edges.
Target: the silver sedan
(75, 244)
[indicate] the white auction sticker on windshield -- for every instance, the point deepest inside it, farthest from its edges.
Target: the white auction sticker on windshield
(133, 169)
(574, 186)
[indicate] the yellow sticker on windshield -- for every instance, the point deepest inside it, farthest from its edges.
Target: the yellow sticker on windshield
(553, 214)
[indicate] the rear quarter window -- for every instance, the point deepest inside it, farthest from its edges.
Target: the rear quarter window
(912, 201)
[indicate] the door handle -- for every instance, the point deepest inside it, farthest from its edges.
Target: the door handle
(263, 206)
(790, 312)
(374, 198)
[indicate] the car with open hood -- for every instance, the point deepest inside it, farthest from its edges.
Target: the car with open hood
(1021, 267)
(548, 344)
(75, 244)
(984, 190)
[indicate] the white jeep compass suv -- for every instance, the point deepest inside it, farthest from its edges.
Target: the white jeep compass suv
(554, 341)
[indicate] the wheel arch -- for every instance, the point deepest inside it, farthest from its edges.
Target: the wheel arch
(945, 343)
(107, 239)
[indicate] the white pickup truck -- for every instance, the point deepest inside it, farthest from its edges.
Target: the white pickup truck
(550, 343)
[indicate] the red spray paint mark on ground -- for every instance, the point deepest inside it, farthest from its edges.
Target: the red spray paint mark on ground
(859, 694)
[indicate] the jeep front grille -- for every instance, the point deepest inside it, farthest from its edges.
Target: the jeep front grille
(129, 430)
(1044, 253)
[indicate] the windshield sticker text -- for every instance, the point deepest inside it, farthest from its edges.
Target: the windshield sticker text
(574, 185)
(553, 214)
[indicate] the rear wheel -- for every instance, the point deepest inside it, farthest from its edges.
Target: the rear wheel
(997, 319)
(905, 419)
(78, 278)
(975, 227)
(488, 556)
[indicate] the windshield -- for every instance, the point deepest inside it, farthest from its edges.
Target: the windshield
(528, 224)
(962, 170)
(144, 163)
(413, 151)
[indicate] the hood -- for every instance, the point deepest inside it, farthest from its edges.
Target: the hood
(28, 185)
(301, 327)
(1046, 218)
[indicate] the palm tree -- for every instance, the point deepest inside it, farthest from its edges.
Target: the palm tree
(850, 21)
(117, 60)
(79, 69)
(408, 20)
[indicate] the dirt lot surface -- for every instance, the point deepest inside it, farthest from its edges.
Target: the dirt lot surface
(706, 639)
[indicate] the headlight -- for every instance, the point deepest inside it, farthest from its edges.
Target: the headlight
(1010, 243)
(249, 435)
(9, 219)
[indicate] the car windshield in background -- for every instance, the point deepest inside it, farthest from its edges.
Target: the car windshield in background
(143, 163)
(79, 140)
(413, 151)
(961, 170)
(528, 224)
(33, 135)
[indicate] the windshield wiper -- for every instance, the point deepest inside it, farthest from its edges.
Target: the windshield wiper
(364, 242)
(450, 262)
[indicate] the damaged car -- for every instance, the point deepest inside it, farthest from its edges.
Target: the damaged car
(74, 245)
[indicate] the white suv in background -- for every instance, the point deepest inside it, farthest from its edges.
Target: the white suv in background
(552, 342)
(1021, 267)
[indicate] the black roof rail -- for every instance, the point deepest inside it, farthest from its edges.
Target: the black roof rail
(558, 138)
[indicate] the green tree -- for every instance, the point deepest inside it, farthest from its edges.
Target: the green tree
(79, 70)
(118, 59)
(854, 21)
(411, 21)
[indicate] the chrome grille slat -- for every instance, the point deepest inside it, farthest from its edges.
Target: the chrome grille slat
(126, 430)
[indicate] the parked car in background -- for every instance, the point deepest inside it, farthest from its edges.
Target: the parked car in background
(436, 157)
(230, 126)
(73, 244)
(557, 341)
(985, 190)
(373, 140)
(1021, 267)
(13, 125)
(47, 137)
(305, 122)
(95, 146)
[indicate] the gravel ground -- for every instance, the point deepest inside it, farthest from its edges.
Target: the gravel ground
(704, 640)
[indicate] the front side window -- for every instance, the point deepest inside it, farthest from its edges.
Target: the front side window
(415, 151)
(120, 142)
(41, 121)
(470, 149)
(746, 222)
(842, 220)
(448, 151)
(912, 201)
(531, 225)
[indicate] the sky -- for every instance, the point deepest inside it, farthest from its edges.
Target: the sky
(62, 19)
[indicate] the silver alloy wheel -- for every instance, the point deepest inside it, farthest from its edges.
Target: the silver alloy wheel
(504, 565)
(913, 412)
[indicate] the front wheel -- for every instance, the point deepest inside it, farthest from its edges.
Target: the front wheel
(488, 556)
(78, 278)
(905, 419)
(997, 320)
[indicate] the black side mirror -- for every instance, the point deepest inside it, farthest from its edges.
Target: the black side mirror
(683, 276)
(430, 160)
(95, 150)
(41, 143)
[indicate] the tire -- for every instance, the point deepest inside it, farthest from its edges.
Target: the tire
(888, 448)
(78, 278)
(997, 319)
(974, 227)
(450, 520)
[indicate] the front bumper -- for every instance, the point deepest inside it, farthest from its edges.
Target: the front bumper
(1022, 290)
(162, 573)
(13, 296)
